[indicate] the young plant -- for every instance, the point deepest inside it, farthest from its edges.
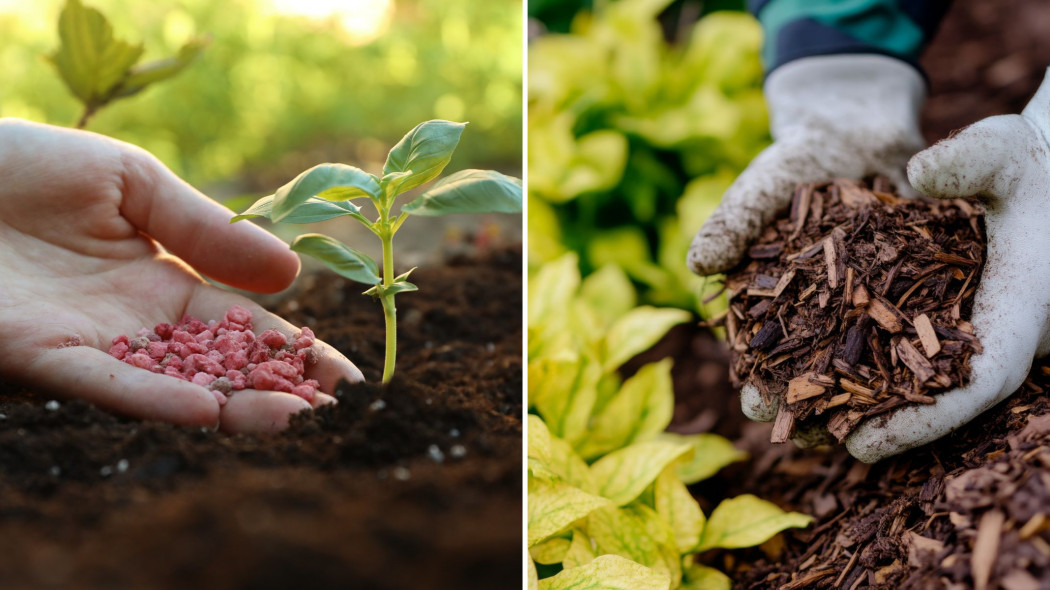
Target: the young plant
(99, 68)
(327, 191)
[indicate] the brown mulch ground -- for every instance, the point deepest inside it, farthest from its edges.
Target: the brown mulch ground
(417, 485)
(969, 508)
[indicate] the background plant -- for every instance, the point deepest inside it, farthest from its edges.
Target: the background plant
(281, 87)
(608, 504)
(327, 191)
(98, 68)
(632, 140)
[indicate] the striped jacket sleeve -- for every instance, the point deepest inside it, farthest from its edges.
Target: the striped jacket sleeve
(803, 28)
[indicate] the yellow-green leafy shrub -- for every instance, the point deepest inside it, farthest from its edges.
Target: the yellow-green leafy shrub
(633, 141)
(607, 496)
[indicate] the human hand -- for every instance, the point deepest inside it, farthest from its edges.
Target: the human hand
(81, 216)
(832, 116)
(1005, 162)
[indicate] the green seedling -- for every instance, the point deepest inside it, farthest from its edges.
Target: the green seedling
(99, 68)
(327, 191)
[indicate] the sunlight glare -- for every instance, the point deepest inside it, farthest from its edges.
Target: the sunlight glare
(362, 21)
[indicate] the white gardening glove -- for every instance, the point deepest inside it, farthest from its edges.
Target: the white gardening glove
(1004, 160)
(832, 116)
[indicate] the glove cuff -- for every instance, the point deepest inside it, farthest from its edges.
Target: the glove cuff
(845, 93)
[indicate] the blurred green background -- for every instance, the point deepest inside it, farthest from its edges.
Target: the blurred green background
(286, 84)
(640, 114)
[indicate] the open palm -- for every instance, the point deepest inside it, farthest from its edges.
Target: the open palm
(81, 217)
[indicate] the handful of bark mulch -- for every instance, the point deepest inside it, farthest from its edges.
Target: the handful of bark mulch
(856, 304)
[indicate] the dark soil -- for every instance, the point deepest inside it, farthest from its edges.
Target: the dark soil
(855, 304)
(416, 485)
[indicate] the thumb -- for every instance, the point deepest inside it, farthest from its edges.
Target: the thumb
(986, 159)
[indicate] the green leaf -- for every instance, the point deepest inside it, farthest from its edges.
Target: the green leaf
(637, 533)
(679, 509)
(142, 75)
(623, 474)
(554, 506)
(312, 210)
(581, 550)
(333, 182)
(89, 59)
(746, 521)
(425, 151)
(469, 191)
(701, 577)
(608, 572)
(394, 288)
(637, 331)
(391, 183)
(551, 551)
(641, 410)
(339, 257)
(711, 453)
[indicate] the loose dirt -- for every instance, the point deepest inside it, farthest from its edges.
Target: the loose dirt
(416, 485)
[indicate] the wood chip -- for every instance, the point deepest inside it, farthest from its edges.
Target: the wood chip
(783, 426)
(885, 314)
(801, 388)
(985, 547)
(914, 359)
(927, 335)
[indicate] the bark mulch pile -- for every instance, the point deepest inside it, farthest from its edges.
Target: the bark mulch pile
(855, 304)
(415, 485)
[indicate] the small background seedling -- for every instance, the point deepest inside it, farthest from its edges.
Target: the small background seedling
(99, 68)
(327, 191)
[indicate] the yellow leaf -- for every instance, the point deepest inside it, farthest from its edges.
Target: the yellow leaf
(679, 509)
(642, 409)
(567, 465)
(608, 572)
(552, 288)
(623, 474)
(554, 506)
(564, 390)
(711, 453)
(550, 551)
(608, 292)
(701, 577)
(539, 449)
(581, 550)
(637, 533)
(534, 578)
(746, 521)
(637, 331)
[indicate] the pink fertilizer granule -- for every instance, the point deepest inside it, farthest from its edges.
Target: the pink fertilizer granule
(223, 356)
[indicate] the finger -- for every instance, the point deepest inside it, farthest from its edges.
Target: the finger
(1009, 332)
(250, 410)
(198, 230)
(322, 399)
(987, 158)
(899, 177)
(761, 192)
(755, 407)
(209, 302)
(89, 374)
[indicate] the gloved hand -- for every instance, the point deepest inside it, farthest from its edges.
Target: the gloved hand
(831, 116)
(1005, 160)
